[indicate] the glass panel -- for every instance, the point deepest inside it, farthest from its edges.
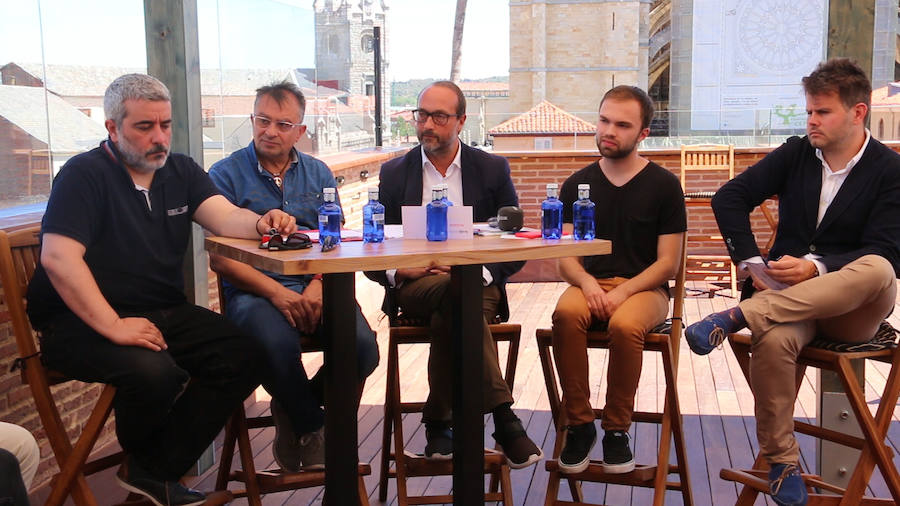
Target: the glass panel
(51, 100)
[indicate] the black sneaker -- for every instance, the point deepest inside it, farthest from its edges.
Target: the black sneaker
(519, 449)
(286, 448)
(617, 458)
(576, 454)
(439, 441)
(132, 477)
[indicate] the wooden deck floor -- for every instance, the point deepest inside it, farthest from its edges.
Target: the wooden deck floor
(716, 402)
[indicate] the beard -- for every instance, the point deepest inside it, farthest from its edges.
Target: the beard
(434, 143)
(620, 151)
(138, 161)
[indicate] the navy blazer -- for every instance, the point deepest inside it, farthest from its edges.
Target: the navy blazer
(487, 187)
(863, 218)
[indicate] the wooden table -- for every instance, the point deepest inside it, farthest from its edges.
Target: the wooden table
(465, 258)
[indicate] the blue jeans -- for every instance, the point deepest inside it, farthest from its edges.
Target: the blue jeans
(284, 377)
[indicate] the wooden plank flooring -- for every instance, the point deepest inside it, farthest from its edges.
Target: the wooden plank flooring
(715, 399)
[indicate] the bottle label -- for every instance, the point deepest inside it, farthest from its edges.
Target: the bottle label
(323, 219)
(378, 218)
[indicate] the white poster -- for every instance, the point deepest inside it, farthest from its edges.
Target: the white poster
(748, 59)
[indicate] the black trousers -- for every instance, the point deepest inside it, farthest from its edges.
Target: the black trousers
(169, 404)
(12, 489)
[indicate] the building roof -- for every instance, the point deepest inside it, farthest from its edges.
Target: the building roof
(70, 129)
(882, 96)
(92, 80)
(544, 118)
(476, 87)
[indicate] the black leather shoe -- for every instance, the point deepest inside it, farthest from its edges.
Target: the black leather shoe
(132, 477)
(439, 441)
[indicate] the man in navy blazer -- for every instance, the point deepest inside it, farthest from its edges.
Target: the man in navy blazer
(474, 178)
(837, 250)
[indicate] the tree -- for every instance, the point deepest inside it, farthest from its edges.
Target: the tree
(456, 54)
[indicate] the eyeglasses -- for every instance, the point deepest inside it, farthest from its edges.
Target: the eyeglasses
(263, 123)
(439, 118)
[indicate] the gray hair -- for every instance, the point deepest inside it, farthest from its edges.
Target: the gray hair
(132, 87)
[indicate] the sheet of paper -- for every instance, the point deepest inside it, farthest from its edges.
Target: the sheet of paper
(758, 271)
(459, 222)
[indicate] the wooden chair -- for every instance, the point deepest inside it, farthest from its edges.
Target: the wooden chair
(19, 257)
(259, 482)
(664, 339)
(708, 158)
(876, 451)
(409, 465)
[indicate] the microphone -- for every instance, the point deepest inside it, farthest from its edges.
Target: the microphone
(509, 219)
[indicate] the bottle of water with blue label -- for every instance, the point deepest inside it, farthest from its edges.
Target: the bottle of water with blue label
(445, 194)
(329, 217)
(551, 213)
(436, 217)
(373, 218)
(583, 214)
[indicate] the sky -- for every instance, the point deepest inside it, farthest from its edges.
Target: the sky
(253, 34)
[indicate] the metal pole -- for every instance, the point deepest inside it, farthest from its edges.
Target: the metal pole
(378, 86)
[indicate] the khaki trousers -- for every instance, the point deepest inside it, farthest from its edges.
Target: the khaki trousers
(846, 305)
(639, 314)
(428, 298)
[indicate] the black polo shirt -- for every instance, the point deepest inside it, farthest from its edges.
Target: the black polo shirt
(135, 251)
(632, 216)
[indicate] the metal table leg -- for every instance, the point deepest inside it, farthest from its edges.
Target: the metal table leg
(468, 383)
(341, 385)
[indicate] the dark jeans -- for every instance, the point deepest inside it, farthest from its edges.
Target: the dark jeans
(12, 489)
(169, 404)
(284, 376)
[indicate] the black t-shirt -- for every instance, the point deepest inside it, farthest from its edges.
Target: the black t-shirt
(632, 216)
(134, 251)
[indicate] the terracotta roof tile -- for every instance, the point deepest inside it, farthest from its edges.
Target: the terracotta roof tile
(544, 118)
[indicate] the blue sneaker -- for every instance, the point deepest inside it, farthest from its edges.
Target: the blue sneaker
(705, 335)
(786, 485)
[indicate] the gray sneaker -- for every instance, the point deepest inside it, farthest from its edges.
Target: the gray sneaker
(285, 449)
(312, 449)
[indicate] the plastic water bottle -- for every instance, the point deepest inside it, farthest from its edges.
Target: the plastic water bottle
(436, 217)
(551, 214)
(583, 214)
(445, 193)
(329, 217)
(373, 218)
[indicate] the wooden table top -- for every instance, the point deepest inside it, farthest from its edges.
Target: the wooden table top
(401, 253)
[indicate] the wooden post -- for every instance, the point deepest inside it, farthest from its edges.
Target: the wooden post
(173, 57)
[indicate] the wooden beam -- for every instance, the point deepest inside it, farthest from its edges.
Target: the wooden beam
(173, 57)
(851, 31)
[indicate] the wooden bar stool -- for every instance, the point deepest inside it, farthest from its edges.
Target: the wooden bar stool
(664, 339)
(837, 357)
(260, 482)
(19, 257)
(409, 465)
(707, 158)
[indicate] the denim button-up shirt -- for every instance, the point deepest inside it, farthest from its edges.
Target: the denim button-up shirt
(246, 184)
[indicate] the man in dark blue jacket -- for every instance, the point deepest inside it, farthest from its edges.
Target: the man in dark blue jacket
(836, 254)
(474, 178)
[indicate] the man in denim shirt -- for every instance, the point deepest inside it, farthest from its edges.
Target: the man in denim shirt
(273, 308)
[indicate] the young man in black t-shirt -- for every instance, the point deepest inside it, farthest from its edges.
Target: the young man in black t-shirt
(640, 208)
(108, 295)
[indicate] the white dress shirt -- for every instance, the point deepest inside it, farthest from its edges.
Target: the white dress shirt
(453, 179)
